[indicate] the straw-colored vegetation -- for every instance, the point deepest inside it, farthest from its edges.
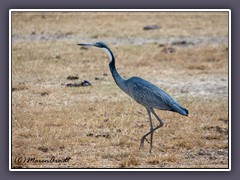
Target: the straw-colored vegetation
(99, 126)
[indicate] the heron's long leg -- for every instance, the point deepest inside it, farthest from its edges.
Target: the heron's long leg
(160, 121)
(144, 137)
(152, 129)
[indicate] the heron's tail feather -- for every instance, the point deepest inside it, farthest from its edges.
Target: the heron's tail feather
(180, 109)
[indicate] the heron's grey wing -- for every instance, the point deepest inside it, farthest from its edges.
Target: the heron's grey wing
(152, 96)
(148, 94)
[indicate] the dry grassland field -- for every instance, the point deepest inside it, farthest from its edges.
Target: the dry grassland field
(58, 121)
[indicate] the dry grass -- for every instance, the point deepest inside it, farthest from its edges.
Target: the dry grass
(99, 126)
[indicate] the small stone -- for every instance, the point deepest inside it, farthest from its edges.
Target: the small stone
(201, 152)
(85, 83)
(43, 93)
(72, 77)
(151, 27)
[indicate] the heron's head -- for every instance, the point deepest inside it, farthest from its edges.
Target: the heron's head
(97, 44)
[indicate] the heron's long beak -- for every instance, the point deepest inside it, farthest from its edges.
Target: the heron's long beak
(85, 44)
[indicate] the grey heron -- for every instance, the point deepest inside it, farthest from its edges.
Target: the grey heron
(143, 92)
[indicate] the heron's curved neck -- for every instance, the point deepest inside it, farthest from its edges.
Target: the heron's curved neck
(118, 79)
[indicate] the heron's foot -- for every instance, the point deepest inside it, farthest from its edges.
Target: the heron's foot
(142, 142)
(150, 150)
